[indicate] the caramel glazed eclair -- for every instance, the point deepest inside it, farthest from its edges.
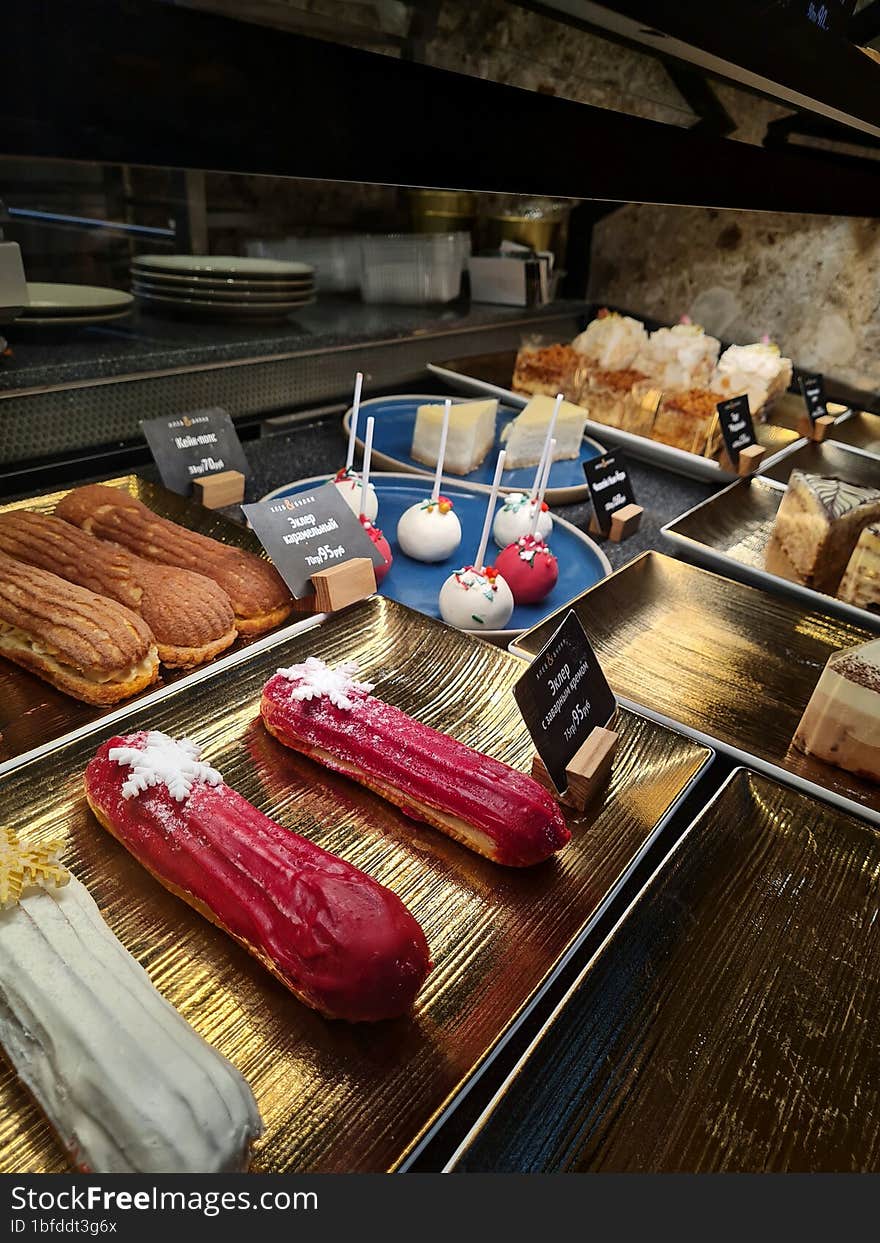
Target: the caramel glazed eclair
(190, 615)
(259, 597)
(82, 643)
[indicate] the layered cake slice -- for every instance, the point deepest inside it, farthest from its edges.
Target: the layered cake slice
(524, 437)
(861, 581)
(841, 724)
(549, 370)
(819, 523)
(685, 419)
(470, 437)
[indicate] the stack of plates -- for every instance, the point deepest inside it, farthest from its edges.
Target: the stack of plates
(221, 285)
(71, 306)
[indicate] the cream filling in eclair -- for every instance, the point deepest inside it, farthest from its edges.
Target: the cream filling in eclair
(13, 639)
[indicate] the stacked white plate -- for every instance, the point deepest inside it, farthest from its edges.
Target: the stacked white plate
(222, 285)
(72, 306)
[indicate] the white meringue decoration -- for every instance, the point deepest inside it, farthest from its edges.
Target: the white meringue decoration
(472, 600)
(426, 533)
(514, 519)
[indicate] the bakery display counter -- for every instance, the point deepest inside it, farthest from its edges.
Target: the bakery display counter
(497, 934)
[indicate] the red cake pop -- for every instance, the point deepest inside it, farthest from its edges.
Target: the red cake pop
(382, 545)
(529, 568)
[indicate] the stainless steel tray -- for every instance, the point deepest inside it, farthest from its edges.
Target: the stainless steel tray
(490, 374)
(731, 532)
(729, 664)
(728, 1021)
(336, 1097)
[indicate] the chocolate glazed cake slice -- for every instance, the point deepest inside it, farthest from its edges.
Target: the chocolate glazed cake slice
(818, 524)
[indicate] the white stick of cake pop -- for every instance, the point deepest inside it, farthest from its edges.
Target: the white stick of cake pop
(539, 499)
(490, 511)
(444, 432)
(355, 411)
(365, 469)
(551, 428)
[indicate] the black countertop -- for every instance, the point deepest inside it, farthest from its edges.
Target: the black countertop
(146, 343)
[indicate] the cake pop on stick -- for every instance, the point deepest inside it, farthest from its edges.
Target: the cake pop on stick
(477, 597)
(527, 563)
(348, 481)
(515, 515)
(382, 545)
(430, 530)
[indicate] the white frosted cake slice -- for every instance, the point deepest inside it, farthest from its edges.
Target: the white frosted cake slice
(471, 434)
(818, 525)
(758, 370)
(524, 437)
(841, 724)
(861, 581)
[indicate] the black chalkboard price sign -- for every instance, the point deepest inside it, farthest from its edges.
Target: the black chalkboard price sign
(737, 428)
(610, 486)
(307, 532)
(190, 446)
(813, 392)
(563, 696)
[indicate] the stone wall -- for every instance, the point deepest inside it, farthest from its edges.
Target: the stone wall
(811, 282)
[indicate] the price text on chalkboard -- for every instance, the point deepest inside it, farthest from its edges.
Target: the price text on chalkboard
(192, 445)
(308, 532)
(813, 392)
(563, 696)
(736, 424)
(610, 486)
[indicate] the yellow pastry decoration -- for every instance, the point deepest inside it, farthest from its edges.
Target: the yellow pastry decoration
(23, 864)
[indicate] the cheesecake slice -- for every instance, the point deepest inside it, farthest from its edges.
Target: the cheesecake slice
(819, 523)
(524, 437)
(471, 435)
(861, 580)
(841, 724)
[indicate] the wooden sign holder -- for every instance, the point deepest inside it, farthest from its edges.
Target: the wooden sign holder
(750, 458)
(343, 584)
(224, 488)
(587, 771)
(624, 522)
(815, 429)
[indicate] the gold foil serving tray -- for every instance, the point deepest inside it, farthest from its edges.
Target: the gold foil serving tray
(725, 661)
(728, 1023)
(861, 430)
(335, 1096)
(825, 458)
(732, 532)
(32, 713)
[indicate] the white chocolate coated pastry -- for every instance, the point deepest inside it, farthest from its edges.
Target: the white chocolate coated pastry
(514, 519)
(429, 530)
(126, 1083)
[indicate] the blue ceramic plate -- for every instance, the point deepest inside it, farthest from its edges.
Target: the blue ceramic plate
(392, 439)
(417, 585)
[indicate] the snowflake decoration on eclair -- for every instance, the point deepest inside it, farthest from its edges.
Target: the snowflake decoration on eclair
(24, 864)
(316, 680)
(172, 762)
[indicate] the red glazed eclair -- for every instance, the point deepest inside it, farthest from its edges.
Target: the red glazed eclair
(495, 810)
(340, 941)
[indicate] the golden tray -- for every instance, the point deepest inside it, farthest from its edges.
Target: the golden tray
(333, 1096)
(729, 664)
(728, 1021)
(859, 430)
(825, 458)
(33, 713)
(733, 532)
